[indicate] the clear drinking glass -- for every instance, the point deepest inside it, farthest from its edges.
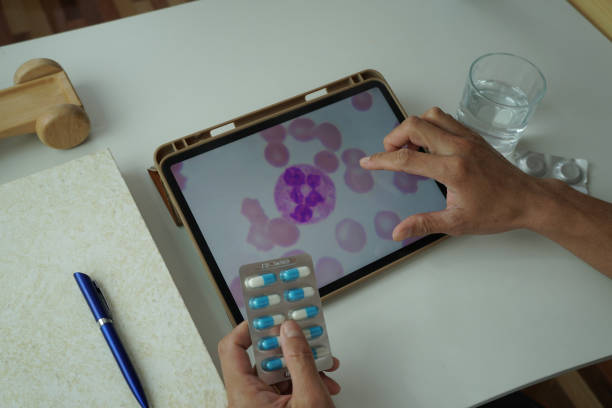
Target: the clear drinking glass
(500, 95)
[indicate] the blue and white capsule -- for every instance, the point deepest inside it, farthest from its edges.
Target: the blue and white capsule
(293, 295)
(319, 352)
(259, 281)
(268, 343)
(264, 322)
(260, 302)
(276, 363)
(313, 332)
(273, 363)
(304, 313)
(294, 273)
(273, 342)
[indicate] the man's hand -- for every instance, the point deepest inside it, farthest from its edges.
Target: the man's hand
(486, 193)
(307, 387)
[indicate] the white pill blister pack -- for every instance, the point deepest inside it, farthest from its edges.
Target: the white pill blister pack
(277, 290)
(572, 171)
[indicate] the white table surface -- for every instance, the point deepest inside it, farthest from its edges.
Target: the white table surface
(470, 319)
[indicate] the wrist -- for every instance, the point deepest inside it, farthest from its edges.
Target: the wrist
(549, 205)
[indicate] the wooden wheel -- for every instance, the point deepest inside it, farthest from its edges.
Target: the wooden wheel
(63, 126)
(35, 68)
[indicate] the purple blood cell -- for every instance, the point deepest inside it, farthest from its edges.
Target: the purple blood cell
(296, 195)
(384, 222)
(236, 290)
(293, 252)
(326, 161)
(329, 135)
(294, 176)
(313, 180)
(275, 134)
(180, 179)
(362, 101)
(282, 232)
(358, 179)
(410, 240)
(252, 210)
(313, 198)
(277, 154)
(406, 183)
(327, 270)
(300, 212)
(258, 237)
(350, 235)
(350, 157)
(301, 129)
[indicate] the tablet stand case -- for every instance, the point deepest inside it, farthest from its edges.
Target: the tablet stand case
(249, 119)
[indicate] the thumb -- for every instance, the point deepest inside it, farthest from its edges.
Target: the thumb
(424, 224)
(307, 384)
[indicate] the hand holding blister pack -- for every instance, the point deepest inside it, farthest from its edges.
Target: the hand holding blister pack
(277, 290)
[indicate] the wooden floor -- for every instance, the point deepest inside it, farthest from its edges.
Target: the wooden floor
(590, 387)
(22, 20)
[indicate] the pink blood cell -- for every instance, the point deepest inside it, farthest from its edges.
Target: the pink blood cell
(384, 222)
(350, 235)
(329, 135)
(358, 179)
(282, 232)
(259, 238)
(275, 134)
(180, 179)
(296, 198)
(327, 270)
(277, 154)
(326, 161)
(301, 129)
(252, 210)
(293, 252)
(236, 289)
(350, 157)
(406, 183)
(362, 101)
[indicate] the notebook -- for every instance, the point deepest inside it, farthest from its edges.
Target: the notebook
(81, 217)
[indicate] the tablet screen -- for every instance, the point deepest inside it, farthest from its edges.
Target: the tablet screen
(296, 186)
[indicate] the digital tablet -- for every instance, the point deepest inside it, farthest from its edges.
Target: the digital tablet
(290, 182)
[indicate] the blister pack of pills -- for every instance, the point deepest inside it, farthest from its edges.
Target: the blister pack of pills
(277, 290)
(572, 171)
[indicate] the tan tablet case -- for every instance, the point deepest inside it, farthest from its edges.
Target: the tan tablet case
(196, 139)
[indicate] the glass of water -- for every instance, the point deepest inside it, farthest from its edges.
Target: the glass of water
(500, 95)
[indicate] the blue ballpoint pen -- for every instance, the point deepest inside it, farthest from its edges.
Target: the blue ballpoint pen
(102, 315)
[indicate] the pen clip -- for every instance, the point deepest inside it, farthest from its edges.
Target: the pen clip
(102, 300)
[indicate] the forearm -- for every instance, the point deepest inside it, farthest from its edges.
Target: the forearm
(580, 223)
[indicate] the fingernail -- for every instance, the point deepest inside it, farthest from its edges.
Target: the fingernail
(398, 234)
(291, 329)
(364, 160)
